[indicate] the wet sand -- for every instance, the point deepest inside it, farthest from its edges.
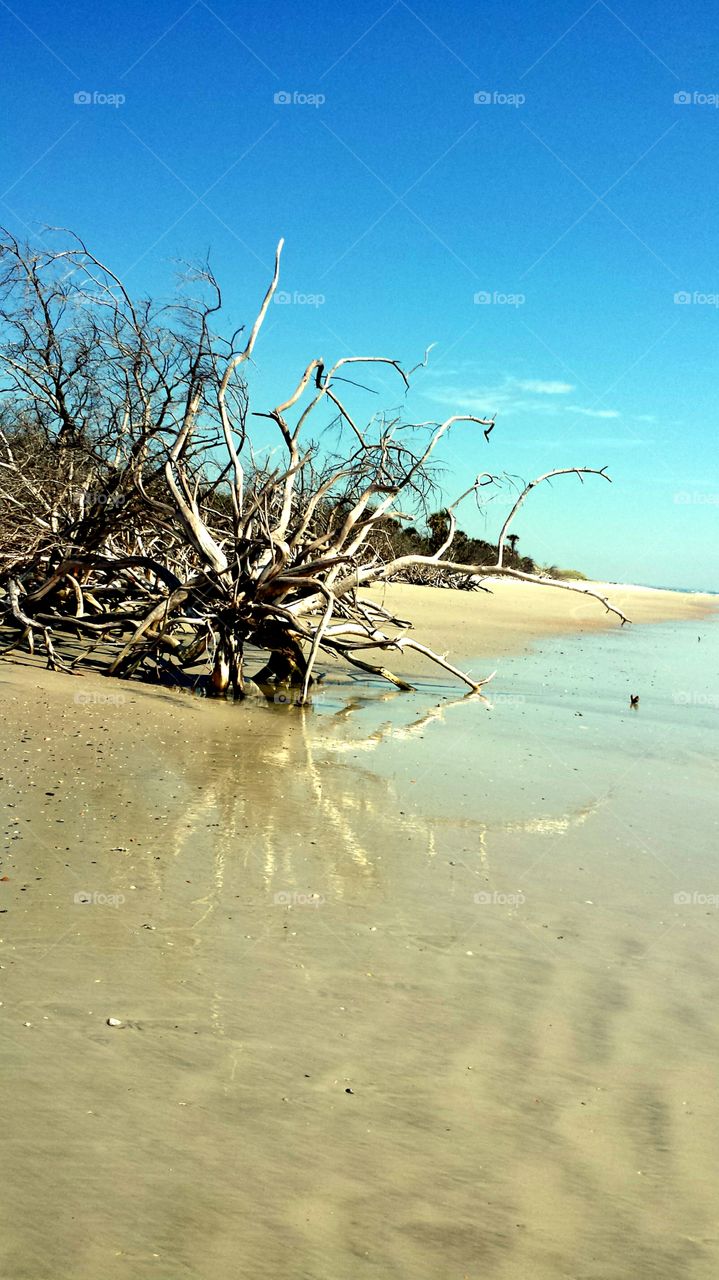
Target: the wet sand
(464, 913)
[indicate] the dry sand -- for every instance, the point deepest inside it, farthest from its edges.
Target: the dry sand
(333, 1060)
(517, 614)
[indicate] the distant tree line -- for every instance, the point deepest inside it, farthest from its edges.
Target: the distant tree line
(393, 539)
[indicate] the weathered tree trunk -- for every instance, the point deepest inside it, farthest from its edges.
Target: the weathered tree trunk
(134, 513)
(227, 673)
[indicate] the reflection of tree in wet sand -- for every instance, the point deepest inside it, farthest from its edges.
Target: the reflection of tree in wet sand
(389, 728)
(269, 812)
(544, 825)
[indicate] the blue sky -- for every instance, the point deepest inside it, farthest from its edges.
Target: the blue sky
(577, 199)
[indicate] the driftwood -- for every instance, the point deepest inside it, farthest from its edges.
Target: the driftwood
(137, 516)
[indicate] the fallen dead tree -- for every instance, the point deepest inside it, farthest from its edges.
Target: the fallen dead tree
(139, 518)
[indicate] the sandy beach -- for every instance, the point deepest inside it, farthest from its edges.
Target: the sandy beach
(350, 928)
(517, 614)
(405, 985)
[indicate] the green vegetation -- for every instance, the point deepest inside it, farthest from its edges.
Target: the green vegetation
(552, 571)
(393, 539)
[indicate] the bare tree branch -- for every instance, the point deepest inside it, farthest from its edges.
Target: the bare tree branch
(138, 511)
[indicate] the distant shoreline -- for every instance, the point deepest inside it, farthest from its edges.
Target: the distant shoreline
(683, 591)
(471, 624)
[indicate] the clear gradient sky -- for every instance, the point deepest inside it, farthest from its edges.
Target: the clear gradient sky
(577, 195)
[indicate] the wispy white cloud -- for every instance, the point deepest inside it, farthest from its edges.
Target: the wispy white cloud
(510, 396)
(542, 388)
(531, 396)
(589, 442)
(594, 413)
(616, 442)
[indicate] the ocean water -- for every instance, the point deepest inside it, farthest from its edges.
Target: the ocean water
(567, 703)
(687, 591)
